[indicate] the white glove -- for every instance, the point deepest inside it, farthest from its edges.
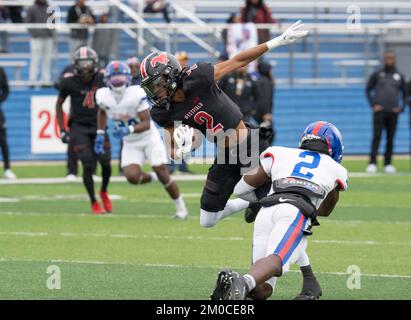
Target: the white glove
(289, 36)
(183, 138)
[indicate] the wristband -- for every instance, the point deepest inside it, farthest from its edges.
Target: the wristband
(131, 129)
(100, 131)
(274, 43)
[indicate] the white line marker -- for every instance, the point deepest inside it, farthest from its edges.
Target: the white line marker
(189, 237)
(159, 265)
(194, 177)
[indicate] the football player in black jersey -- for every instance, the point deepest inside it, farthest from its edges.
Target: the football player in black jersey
(193, 98)
(81, 85)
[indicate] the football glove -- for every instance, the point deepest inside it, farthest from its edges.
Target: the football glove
(183, 138)
(121, 131)
(65, 137)
(289, 36)
(99, 143)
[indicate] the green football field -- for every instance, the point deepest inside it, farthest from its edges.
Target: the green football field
(140, 252)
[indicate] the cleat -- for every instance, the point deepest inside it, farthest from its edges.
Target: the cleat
(96, 209)
(108, 207)
(222, 285)
(238, 287)
(389, 168)
(181, 214)
(251, 212)
(71, 177)
(8, 174)
(371, 168)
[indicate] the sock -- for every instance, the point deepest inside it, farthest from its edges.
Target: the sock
(233, 206)
(106, 174)
(179, 202)
(307, 272)
(249, 279)
(153, 176)
(89, 183)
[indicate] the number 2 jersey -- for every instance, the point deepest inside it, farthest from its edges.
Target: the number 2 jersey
(206, 106)
(124, 111)
(282, 162)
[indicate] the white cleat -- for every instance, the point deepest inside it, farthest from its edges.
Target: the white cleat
(181, 214)
(389, 168)
(371, 168)
(8, 174)
(71, 177)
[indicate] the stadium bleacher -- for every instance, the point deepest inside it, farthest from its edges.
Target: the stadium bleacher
(312, 82)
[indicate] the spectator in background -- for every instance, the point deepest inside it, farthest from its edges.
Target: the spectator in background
(182, 57)
(265, 87)
(154, 6)
(15, 14)
(240, 37)
(241, 87)
(103, 41)
(4, 93)
(4, 16)
(79, 13)
(257, 12)
(384, 89)
(134, 65)
(41, 42)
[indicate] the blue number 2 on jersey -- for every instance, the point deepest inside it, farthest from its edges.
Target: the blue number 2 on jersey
(310, 165)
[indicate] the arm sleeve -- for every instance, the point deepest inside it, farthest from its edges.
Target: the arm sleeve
(371, 83)
(4, 86)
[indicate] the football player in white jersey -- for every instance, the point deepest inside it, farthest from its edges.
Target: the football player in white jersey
(306, 182)
(128, 107)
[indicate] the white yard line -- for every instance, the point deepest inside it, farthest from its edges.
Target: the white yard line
(188, 237)
(159, 265)
(193, 177)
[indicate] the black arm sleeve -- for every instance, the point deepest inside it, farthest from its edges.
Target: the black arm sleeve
(4, 86)
(372, 81)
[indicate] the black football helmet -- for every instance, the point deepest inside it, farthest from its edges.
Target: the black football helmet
(160, 73)
(85, 62)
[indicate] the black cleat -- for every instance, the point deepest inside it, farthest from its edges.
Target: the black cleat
(311, 290)
(222, 285)
(238, 289)
(251, 212)
(230, 285)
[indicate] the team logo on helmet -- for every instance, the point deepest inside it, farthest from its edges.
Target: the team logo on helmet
(161, 59)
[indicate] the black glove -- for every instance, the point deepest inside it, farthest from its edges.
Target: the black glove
(65, 137)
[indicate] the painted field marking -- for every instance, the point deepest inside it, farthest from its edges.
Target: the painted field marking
(159, 265)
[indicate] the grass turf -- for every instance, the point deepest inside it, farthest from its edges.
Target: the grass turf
(140, 252)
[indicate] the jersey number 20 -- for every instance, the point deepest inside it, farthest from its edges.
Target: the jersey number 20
(310, 165)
